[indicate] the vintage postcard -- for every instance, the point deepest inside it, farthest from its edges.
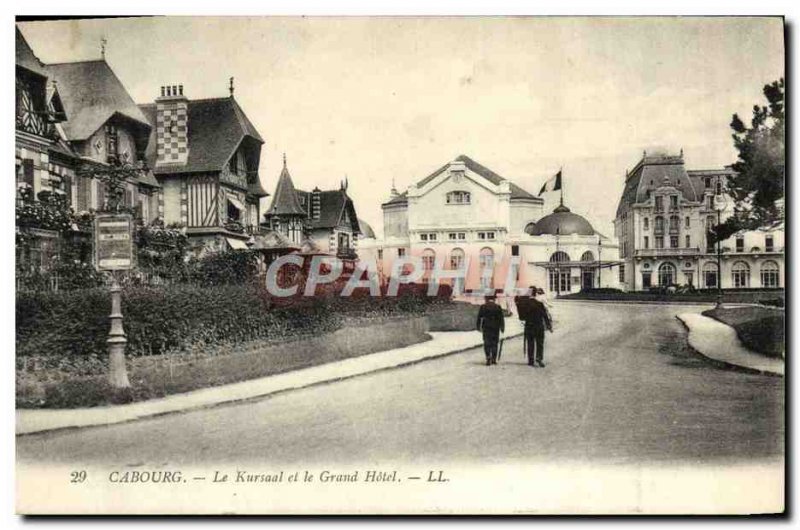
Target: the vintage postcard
(400, 265)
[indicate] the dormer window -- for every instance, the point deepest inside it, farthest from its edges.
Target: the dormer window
(237, 164)
(458, 197)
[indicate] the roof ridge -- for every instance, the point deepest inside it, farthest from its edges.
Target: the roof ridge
(78, 62)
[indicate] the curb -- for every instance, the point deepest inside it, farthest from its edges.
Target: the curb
(719, 363)
(239, 400)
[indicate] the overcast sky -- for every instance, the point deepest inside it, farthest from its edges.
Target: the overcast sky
(383, 98)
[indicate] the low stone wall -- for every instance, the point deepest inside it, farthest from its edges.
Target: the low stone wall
(161, 375)
(253, 361)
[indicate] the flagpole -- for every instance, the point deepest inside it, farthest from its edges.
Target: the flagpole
(561, 187)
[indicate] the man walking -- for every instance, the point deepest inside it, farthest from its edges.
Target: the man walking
(491, 323)
(537, 319)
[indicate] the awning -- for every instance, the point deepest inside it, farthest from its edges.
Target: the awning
(575, 264)
(236, 244)
(236, 203)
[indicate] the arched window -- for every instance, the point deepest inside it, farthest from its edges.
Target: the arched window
(770, 274)
(458, 197)
(666, 274)
(456, 259)
(428, 259)
(487, 267)
(559, 257)
(587, 256)
(674, 223)
(457, 263)
(659, 224)
(486, 258)
(710, 275)
(740, 273)
(646, 222)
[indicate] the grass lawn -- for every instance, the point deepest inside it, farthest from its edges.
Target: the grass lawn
(761, 329)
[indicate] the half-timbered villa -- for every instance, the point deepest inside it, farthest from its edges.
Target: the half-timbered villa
(205, 154)
(70, 116)
(327, 219)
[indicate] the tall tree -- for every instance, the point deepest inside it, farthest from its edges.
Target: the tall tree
(760, 167)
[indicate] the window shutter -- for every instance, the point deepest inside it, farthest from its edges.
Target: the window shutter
(27, 172)
(67, 180)
(101, 195)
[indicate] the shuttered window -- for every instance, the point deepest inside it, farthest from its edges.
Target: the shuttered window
(27, 172)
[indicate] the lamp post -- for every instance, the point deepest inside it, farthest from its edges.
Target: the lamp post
(117, 373)
(113, 249)
(719, 204)
(558, 265)
(599, 262)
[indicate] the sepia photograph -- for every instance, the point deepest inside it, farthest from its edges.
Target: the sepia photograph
(400, 265)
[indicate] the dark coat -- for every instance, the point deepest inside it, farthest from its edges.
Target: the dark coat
(491, 318)
(533, 313)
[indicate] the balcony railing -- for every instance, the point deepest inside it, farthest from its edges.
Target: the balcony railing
(666, 252)
(346, 253)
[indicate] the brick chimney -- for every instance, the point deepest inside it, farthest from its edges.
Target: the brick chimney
(172, 126)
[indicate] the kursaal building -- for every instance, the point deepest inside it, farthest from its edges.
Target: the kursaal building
(465, 217)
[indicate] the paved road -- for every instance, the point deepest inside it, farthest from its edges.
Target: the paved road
(620, 387)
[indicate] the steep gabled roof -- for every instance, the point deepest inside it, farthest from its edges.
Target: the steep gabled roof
(91, 94)
(284, 201)
(697, 177)
(217, 127)
(333, 204)
(25, 56)
(517, 193)
(652, 172)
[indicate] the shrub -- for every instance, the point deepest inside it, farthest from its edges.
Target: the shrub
(160, 320)
(224, 268)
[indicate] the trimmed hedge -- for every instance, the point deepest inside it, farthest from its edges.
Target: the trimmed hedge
(160, 320)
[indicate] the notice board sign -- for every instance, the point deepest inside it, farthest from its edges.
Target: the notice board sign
(113, 241)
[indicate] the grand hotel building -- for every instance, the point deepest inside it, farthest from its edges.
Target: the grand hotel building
(663, 222)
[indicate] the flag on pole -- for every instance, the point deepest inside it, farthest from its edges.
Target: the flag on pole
(552, 184)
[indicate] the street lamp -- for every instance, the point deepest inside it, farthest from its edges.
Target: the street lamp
(720, 203)
(599, 262)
